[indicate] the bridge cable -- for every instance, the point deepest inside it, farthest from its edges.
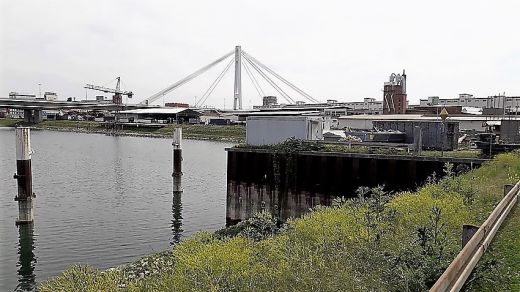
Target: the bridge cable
(269, 80)
(188, 78)
(294, 87)
(213, 85)
(253, 80)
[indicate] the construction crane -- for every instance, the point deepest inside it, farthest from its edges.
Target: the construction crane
(118, 93)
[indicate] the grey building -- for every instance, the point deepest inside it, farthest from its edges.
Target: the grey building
(270, 130)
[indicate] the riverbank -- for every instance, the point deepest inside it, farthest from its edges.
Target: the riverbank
(234, 133)
(379, 241)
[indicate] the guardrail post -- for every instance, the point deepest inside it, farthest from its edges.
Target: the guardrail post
(467, 233)
(507, 189)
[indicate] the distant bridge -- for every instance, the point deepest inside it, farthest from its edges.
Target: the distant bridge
(240, 59)
(33, 108)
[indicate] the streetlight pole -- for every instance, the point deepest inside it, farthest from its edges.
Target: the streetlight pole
(40, 89)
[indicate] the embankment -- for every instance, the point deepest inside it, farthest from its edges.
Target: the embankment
(233, 133)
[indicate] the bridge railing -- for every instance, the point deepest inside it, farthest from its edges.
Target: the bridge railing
(459, 270)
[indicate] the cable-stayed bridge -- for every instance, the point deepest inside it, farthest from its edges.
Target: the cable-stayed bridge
(254, 69)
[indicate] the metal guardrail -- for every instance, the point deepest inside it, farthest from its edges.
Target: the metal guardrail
(459, 270)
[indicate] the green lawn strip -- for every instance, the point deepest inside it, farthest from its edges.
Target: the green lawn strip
(9, 122)
(234, 133)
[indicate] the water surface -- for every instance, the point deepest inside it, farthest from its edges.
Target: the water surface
(103, 201)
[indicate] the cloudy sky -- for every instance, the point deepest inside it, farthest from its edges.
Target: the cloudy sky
(341, 50)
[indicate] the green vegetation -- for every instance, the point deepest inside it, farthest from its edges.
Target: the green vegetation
(376, 242)
(8, 122)
(401, 151)
(66, 124)
(293, 146)
(234, 133)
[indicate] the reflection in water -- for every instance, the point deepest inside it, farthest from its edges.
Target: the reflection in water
(27, 261)
(177, 218)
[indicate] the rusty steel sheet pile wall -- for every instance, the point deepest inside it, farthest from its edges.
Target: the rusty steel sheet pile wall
(289, 185)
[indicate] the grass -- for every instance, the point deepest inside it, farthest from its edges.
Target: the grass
(295, 145)
(401, 151)
(374, 243)
(232, 133)
(68, 124)
(8, 122)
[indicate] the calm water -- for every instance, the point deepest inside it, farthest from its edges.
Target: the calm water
(103, 201)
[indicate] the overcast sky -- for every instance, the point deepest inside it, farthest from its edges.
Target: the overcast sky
(341, 50)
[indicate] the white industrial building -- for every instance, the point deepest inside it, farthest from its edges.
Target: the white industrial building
(331, 108)
(470, 123)
(368, 104)
(161, 115)
(468, 100)
(268, 130)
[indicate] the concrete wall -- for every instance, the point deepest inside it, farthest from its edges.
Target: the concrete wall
(288, 186)
(273, 130)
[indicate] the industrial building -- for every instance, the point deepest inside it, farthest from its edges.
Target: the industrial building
(17, 113)
(331, 107)
(394, 95)
(50, 95)
(468, 100)
(436, 135)
(478, 123)
(268, 130)
(510, 131)
(161, 115)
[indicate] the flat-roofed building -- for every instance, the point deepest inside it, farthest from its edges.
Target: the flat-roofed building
(509, 103)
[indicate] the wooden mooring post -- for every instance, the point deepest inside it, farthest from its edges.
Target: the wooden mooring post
(23, 176)
(177, 159)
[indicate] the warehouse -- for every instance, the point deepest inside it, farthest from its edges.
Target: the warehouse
(162, 115)
(267, 130)
(466, 123)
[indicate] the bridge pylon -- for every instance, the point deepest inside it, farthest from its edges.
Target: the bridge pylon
(237, 96)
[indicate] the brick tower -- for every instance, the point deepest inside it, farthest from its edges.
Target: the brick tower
(394, 94)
